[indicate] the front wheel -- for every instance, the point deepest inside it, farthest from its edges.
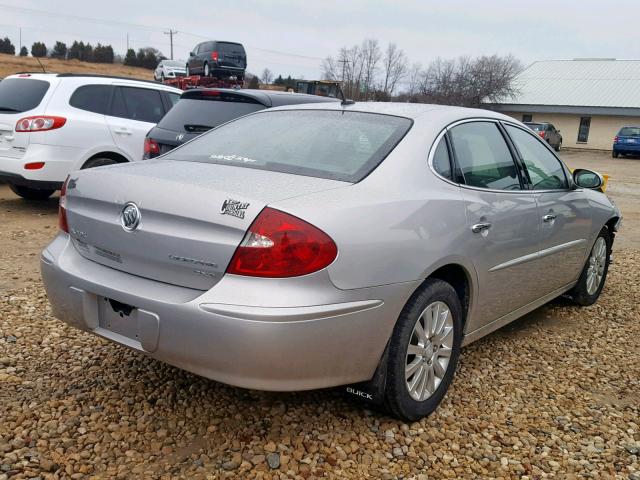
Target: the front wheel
(424, 351)
(31, 193)
(162, 77)
(206, 72)
(594, 273)
(187, 73)
(559, 146)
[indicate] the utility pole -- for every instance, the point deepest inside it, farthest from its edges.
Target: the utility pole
(20, 41)
(344, 62)
(171, 33)
(127, 41)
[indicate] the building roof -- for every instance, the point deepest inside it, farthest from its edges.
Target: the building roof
(579, 83)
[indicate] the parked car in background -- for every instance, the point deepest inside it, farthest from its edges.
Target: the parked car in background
(52, 124)
(169, 69)
(627, 142)
(200, 110)
(217, 59)
(318, 245)
(547, 132)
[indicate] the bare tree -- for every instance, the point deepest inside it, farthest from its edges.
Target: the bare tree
(330, 70)
(267, 76)
(470, 82)
(370, 58)
(414, 80)
(395, 68)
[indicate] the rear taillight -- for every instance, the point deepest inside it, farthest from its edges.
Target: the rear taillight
(40, 123)
(62, 210)
(280, 245)
(541, 134)
(151, 148)
(615, 139)
(214, 56)
(33, 165)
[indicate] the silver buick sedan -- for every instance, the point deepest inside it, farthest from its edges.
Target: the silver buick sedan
(330, 244)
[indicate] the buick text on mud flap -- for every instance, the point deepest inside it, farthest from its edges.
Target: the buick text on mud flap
(233, 208)
(359, 393)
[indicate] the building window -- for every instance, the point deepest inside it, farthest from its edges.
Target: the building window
(527, 117)
(583, 131)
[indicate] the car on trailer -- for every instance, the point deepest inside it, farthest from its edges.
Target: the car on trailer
(216, 58)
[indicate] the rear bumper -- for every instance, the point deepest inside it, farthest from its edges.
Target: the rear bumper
(58, 163)
(293, 346)
(627, 148)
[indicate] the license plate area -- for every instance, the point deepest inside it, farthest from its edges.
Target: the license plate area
(118, 318)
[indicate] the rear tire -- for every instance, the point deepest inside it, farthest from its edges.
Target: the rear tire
(31, 193)
(187, 73)
(615, 154)
(206, 71)
(558, 147)
(594, 273)
(413, 396)
(98, 162)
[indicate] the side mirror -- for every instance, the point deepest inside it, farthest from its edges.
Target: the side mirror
(192, 54)
(584, 178)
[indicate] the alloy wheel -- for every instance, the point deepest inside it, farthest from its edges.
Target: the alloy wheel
(597, 263)
(429, 351)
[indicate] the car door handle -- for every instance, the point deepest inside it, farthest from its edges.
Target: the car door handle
(122, 131)
(549, 218)
(480, 227)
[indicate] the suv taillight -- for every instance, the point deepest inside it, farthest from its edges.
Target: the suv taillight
(40, 123)
(62, 210)
(151, 148)
(214, 56)
(541, 133)
(279, 245)
(615, 139)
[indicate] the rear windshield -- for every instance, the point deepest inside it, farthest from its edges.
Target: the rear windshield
(172, 63)
(537, 127)
(191, 115)
(230, 48)
(21, 94)
(335, 145)
(630, 132)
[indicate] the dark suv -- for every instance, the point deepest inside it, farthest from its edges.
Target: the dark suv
(547, 132)
(200, 110)
(218, 59)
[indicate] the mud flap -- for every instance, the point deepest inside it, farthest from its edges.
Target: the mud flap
(372, 391)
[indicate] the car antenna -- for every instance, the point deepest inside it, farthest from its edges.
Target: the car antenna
(40, 63)
(345, 100)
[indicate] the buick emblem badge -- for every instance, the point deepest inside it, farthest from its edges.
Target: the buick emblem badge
(130, 217)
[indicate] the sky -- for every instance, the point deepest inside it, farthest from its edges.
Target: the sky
(292, 37)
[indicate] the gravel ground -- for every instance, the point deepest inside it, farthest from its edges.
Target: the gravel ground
(555, 394)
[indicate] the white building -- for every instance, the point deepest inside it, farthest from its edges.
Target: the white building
(588, 100)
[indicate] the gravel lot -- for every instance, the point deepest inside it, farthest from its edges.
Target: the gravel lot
(556, 394)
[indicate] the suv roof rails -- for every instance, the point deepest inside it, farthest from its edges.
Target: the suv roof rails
(114, 77)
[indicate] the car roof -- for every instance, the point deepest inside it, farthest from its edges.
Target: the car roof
(269, 98)
(96, 78)
(408, 110)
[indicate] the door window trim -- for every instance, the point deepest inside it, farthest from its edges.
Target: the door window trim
(459, 181)
(520, 160)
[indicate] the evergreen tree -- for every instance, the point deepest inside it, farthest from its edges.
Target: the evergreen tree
(6, 46)
(39, 49)
(74, 51)
(254, 82)
(131, 59)
(24, 52)
(59, 50)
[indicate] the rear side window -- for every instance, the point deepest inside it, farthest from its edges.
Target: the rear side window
(441, 161)
(483, 156)
(141, 104)
(200, 115)
(544, 169)
(336, 145)
(93, 98)
(21, 94)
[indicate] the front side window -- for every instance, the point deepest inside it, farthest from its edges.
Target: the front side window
(583, 131)
(143, 104)
(337, 145)
(92, 98)
(544, 169)
(483, 156)
(441, 161)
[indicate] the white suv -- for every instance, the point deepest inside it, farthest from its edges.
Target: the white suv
(53, 124)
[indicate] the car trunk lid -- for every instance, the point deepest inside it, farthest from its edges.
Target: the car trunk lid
(192, 215)
(12, 144)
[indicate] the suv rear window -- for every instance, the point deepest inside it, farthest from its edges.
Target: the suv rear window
(21, 94)
(335, 145)
(197, 115)
(230, 48)
(630, 132)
